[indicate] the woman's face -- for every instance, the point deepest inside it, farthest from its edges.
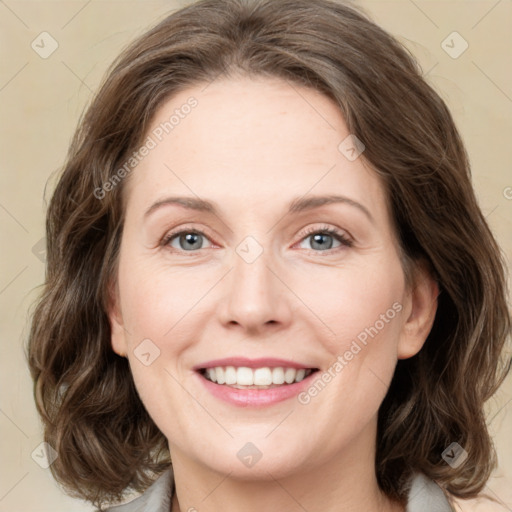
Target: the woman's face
(254, 275)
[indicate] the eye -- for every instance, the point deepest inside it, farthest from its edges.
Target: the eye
(322, 239)
(188, 240)
(191, 240)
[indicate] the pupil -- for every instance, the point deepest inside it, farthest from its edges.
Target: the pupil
(190, 237)
(318, 237)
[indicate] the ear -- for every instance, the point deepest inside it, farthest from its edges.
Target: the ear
(117, 331)
(420, 310)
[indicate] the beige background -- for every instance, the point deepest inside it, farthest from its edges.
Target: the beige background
(41, 100)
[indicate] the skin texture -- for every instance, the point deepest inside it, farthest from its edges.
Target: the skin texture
(251, 146)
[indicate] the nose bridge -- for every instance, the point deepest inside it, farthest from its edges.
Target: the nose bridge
(255, 296)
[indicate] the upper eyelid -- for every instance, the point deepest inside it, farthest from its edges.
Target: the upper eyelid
(327, 228)
(186, 229)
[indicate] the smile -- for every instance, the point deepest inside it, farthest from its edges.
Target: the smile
(255, 378)
(255, 387)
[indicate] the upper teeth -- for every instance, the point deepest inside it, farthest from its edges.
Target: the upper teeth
(244, 376)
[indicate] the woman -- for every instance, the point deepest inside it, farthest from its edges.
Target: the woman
(267, 265)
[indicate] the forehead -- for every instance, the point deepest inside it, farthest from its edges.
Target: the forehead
(260, 142)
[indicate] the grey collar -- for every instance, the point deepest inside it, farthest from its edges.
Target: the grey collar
(424, 496)
(156, 498)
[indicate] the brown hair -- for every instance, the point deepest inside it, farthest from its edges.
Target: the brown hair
(106, 441)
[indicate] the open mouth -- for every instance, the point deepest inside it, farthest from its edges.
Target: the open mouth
(255, 378)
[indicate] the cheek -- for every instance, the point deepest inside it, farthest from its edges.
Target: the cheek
(363, 308)
(164, 315)
(157, 298)
(359, 304)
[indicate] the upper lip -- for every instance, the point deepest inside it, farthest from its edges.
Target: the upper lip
(261, 362)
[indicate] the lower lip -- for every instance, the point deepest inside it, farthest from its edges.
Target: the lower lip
(255, 397)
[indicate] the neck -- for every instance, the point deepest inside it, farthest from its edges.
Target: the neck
(344, 483)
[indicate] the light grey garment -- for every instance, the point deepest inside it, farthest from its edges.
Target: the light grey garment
(156, 498)
(424, 496)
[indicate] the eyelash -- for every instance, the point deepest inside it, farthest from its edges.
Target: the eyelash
(325, 230)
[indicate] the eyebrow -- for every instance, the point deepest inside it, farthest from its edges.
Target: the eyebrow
(299, 204)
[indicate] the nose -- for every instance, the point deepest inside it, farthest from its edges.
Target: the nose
(256, 297)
